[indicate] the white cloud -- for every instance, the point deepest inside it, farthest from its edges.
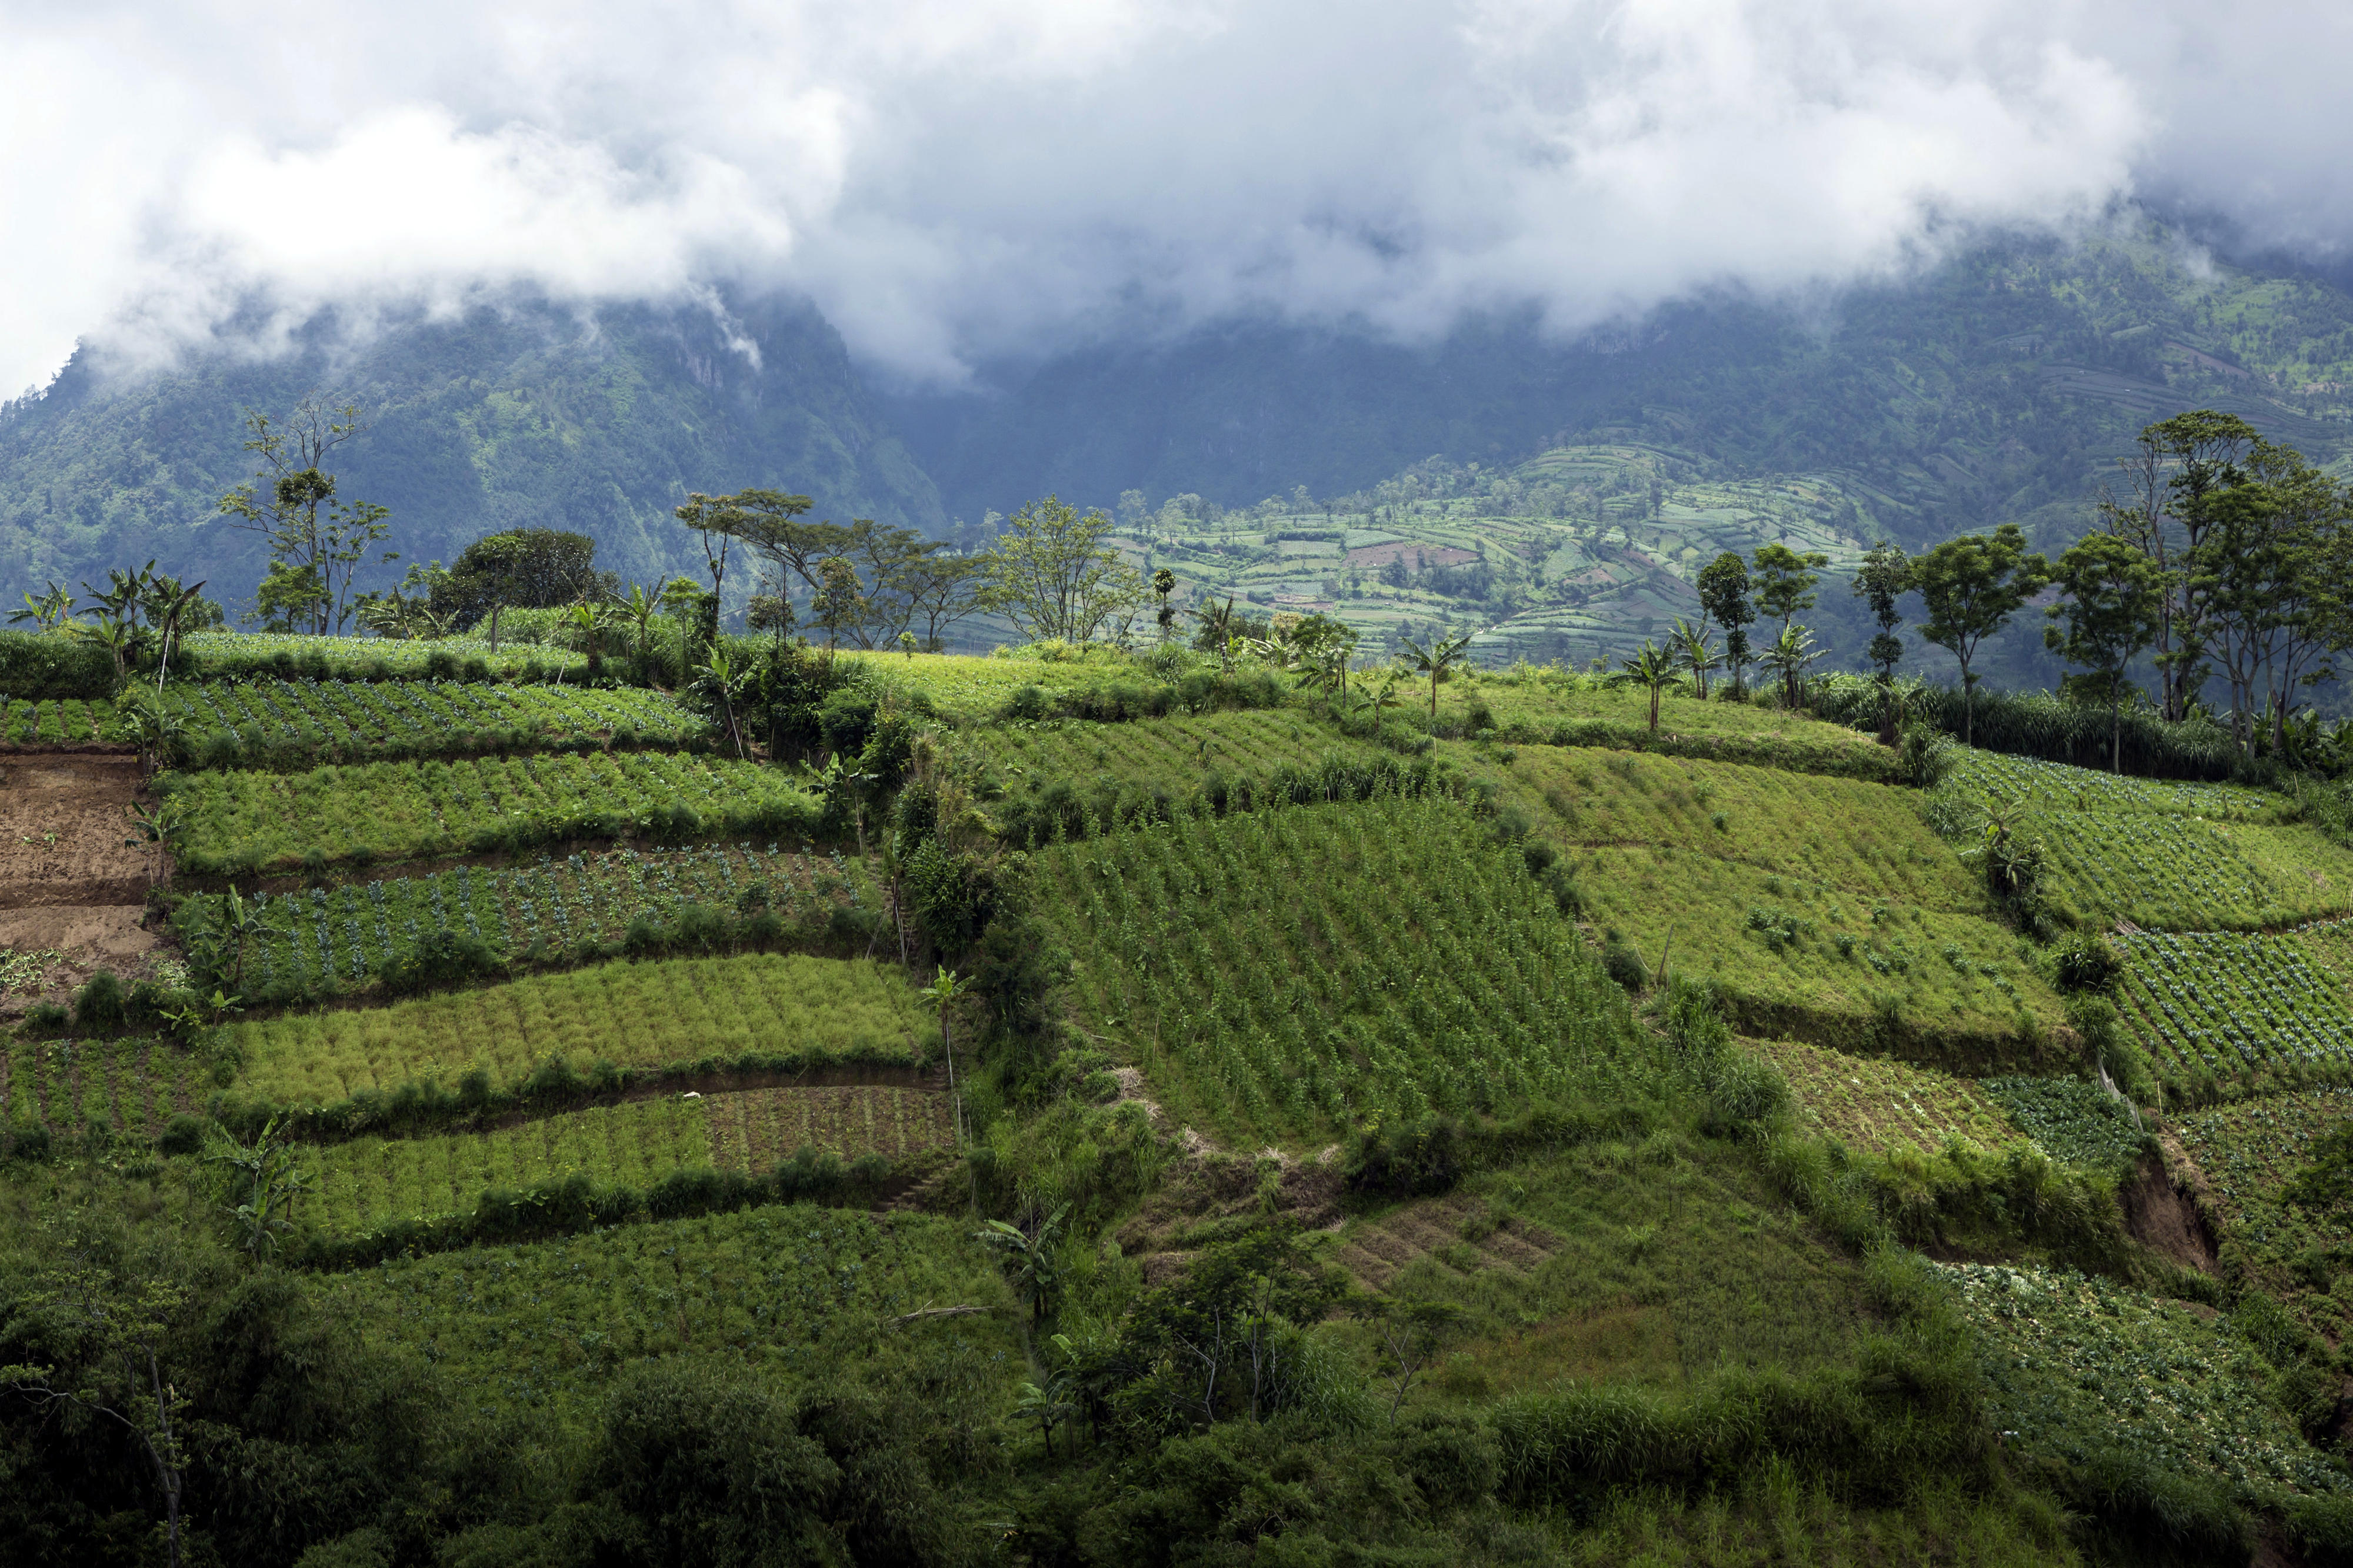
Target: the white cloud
(958, 177)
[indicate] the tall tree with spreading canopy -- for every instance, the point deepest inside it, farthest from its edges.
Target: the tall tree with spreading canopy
(519, 569)
(317, 539)
(1971, 586)
(2113, 596)
(1785, 582)
(2177, 482)
(1723, 587)
(1054, 574)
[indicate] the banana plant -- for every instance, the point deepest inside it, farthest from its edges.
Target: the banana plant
(942, 994)
(152, 828)
(1437, 662)
(267, 1181)
(1028, 1257)
(48, 611)
(720, 682)
(1653, 667)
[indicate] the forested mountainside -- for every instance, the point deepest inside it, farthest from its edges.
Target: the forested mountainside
(1992, 388)
(522, 416)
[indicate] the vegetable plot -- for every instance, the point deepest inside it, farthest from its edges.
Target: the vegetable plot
(318, 942)
(761, 1013)
(543, 1327)
(1293, 971)
(2172, 872)
(2240, 1009)
(2250, 1152)
(2074, 1122)
(245, 822)
(1874, 1104)
(230, 722)
(215, 656)
(60, 722)
(370, 1181)
(127, 1087)
(2042, 786)
(367, 1181)
(2078, 1367)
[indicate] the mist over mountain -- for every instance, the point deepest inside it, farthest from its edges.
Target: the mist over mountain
(1997, 386)
(519, 414)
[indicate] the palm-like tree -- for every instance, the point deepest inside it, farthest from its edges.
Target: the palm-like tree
(1791, 653)
(942, 994)
(640, 610)
(1653, 667)
(1695, 646)
(718, 682)
(1436, 661)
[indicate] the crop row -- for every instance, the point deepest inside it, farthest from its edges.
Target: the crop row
(2074, 1121)
(245, 822)
(2229, 1007)
(2249, 1153)
(225, 654)
(2171, 872)
(2042, 786)
(128, 1087)
(1862, 837)
(1874, 1104)
(1794, 958)
(1301, 970)
(317, 941)
(59, 722)
(2078, 1368)
(365, 1184)
(542, 1327)
(225, 723)
(603, 1023)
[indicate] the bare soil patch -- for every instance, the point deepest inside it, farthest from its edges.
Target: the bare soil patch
(2160, 1217)
(86, 938)
(62, 828)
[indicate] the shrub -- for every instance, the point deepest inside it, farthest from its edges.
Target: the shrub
(99, 1007)
(443, 959)
(183, 1134)
(2086, 961)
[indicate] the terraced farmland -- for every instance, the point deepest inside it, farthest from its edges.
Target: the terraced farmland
(226, 723)
(757, 1013)
(318, 942)
(795, 1291)
(248, 822)
(129, 1088)
(1877, 1105)
(1278, 975)
(2054, 786)
(2240, 1011)
(1862, 838)
(368, 1182)
(2249, 1153)
(2079, 1367)
(1794, 959)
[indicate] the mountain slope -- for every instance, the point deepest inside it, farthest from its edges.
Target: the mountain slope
(1990, 387)
(523, 416)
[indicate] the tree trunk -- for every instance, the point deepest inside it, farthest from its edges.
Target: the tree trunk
(2116, 725)
(1654, 711)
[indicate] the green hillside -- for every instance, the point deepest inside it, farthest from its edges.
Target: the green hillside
(1131, 1110)
(517, 415)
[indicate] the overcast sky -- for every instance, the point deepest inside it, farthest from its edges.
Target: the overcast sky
(952, 179)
